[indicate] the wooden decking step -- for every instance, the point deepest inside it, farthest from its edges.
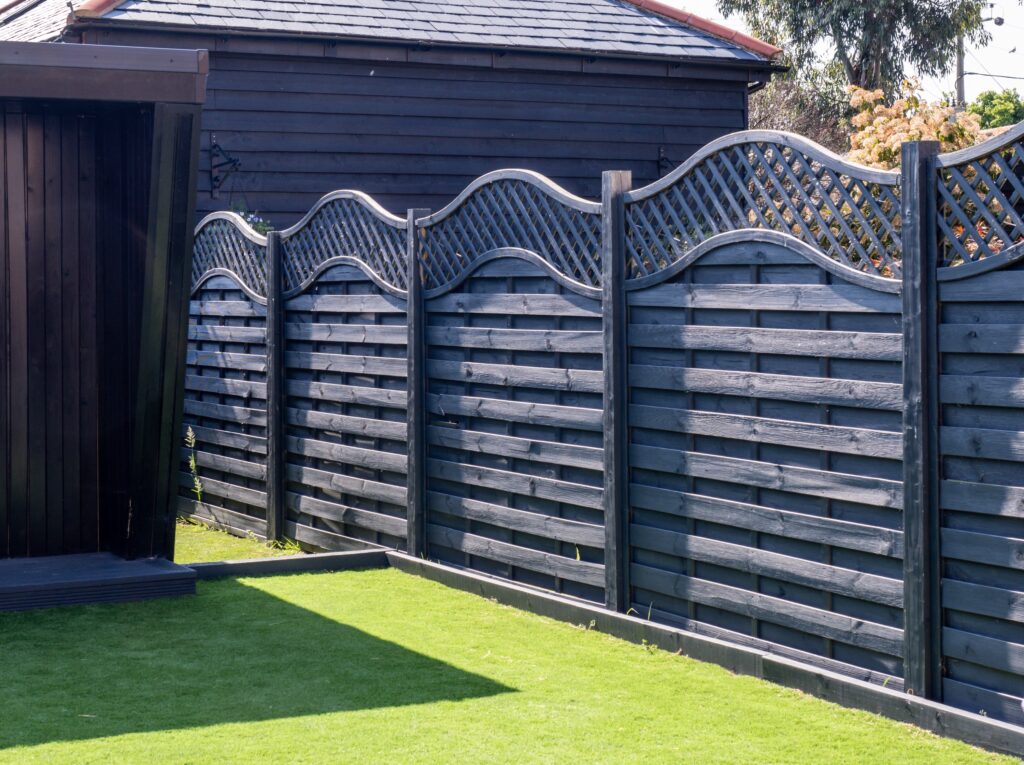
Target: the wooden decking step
(62, 580)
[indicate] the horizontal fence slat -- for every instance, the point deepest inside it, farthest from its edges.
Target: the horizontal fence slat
(215, 333)
(799, 480)
(226, 490)
(556, 341)
(818, 390)
(516, 483)
(987, 651)
(242, 468)
(231, 440)
(360, 334)
(547, 526)
(336, 362)
(815, 621)
(515, 305)
(504, 552)
(981, 338)
(786, 342)
(769, 520)
(751, 560)
(346, 304)
(516, 448)
(346, 394)
(222, 517)
(982, 442)
(997, 602)
(985, 498)
(226, 412)
(982, 391)
(996, 287)
(517, 376)
(551, 415)
(837, 298)
(247, 362)
(345, 484)
(226, 386)
(340, 423)
(348, 455)
(835, 438)
(227, 308)
(334, 511)
(983, 548)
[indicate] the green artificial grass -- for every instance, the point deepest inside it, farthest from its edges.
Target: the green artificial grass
(197, 543)
(383, 667)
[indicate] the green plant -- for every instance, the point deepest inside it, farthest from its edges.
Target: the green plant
(256, 222)
(998, 108)
(190, 443)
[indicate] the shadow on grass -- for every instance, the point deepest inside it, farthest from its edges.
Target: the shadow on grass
(233, 654)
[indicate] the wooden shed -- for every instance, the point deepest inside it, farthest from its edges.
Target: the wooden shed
(99, 148)
(410, 100)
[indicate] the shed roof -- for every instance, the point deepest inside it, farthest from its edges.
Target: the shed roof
(630, 28)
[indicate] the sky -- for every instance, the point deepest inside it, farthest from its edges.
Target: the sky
(997, 58)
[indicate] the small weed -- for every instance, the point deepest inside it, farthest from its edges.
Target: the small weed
(190, 443)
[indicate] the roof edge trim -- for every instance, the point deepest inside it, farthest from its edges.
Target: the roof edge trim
(93, 9)
(705, 25)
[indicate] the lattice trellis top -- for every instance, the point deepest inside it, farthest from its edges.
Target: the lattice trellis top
(767, 180)
(226, 244)
(751, 180)
(981, 199)
(512, 209)
(349, 225)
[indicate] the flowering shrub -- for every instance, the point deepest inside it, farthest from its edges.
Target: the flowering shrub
(879, 129)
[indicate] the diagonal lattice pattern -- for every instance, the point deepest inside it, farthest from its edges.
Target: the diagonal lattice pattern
(510, 212)
(220, 244)
(345, 227)
(770, 186)
(981, 206)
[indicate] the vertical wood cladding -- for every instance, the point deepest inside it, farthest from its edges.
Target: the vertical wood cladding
(76, 184)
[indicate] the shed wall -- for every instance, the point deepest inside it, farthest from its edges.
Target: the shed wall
(414, 134)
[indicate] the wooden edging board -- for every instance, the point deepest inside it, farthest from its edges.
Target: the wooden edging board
(292, 564)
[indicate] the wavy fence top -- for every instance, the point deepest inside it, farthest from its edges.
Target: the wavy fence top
(754, 180)
(767, 180)
(981, 201)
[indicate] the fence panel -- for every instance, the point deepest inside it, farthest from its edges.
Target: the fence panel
(981, 433)
(345, 375)
(778, 429)
(765, 400)
(514, 388)
(226, 378)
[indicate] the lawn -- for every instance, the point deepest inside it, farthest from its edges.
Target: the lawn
(381, 666)
(197, 543)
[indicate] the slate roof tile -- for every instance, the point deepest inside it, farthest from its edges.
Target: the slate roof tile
(598, 26)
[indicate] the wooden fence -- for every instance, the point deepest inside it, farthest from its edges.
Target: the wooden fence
(773, 398)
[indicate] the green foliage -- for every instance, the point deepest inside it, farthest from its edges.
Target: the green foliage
(875, 41)
(193, 466)
(256, 222)
(384, 667)
(998, 108)
(811, 101)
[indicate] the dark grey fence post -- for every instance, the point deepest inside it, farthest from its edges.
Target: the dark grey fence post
(921, 605)
(275, 389)
(416, 543)
(614, 184)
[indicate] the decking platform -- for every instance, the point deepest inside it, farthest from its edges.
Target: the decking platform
(62, 580)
